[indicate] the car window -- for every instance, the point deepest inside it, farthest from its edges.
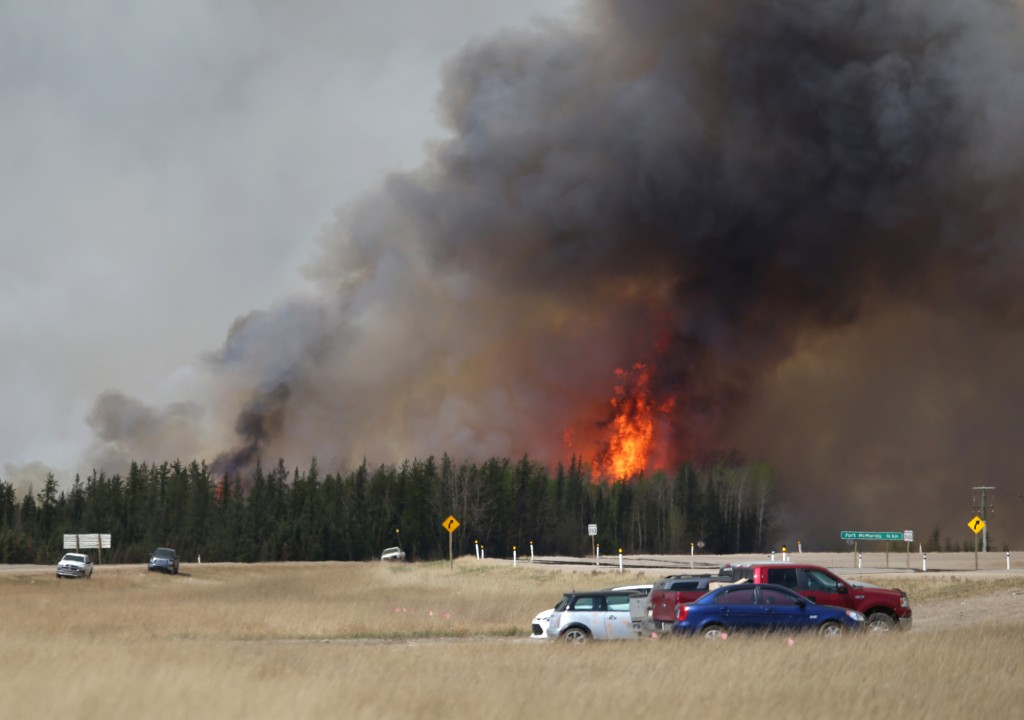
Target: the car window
(737, 596)
(563, 603)
(782, 576)
(818, 580)
(771, 596)
(685, 585)
(588, 602)
(618, 603)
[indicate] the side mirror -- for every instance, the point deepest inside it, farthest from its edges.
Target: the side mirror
(841, 588)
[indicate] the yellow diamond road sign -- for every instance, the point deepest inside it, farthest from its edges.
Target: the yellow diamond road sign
(451, 524)
(977, 524)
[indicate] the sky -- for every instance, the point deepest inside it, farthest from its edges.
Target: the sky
(166, 168)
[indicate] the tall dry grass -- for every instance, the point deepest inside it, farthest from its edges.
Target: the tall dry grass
(408, 641)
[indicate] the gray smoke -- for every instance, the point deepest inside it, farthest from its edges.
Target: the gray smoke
(802, 214)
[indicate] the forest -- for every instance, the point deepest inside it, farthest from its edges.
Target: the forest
(279, 514)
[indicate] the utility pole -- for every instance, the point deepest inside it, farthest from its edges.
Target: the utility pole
(982, 507)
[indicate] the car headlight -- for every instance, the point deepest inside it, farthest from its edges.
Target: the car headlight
(857, 616)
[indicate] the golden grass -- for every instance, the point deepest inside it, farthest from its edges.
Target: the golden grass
(373, 640)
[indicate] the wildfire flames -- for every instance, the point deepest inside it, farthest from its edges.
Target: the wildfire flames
(632, 444)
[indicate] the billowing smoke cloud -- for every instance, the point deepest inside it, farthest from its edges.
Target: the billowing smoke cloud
(803, 214)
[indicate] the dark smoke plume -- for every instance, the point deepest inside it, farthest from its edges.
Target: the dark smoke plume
(803, 214)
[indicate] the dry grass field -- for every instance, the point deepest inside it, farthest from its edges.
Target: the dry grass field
(376, 640)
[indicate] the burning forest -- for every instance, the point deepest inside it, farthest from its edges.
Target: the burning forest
(659, 231)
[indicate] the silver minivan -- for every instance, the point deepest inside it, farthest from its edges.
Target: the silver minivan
(594, 615)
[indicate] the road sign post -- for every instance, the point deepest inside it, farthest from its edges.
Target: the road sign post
(856, 535)
(451, 525)
(976, 525)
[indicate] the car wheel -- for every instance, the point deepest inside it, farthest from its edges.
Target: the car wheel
(880, 622)
(575, 635)
(712, 632)
(830, 629)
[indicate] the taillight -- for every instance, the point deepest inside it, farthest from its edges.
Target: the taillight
(681, 611)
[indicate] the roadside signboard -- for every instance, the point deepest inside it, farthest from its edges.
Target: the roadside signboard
(908, 536)
(592, 529)
(86, 541)
(867, 535)
(976, 524)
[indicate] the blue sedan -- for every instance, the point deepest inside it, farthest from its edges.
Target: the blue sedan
(763, 607)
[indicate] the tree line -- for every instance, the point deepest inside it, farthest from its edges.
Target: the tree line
(279, 515)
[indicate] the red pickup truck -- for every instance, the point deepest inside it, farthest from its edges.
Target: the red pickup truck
(884, 608)
(669, 594)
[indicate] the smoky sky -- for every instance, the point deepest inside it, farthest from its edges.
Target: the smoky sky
(165, 168)
(803, 215)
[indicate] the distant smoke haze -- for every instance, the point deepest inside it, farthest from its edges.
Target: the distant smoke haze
(805, 215)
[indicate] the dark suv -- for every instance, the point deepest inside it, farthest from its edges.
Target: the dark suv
(164, 560)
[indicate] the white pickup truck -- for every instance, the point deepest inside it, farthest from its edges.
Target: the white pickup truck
(74, 565)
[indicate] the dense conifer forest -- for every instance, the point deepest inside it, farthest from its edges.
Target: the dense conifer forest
(285, 514)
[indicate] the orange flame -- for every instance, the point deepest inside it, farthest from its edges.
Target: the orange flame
(628, 450)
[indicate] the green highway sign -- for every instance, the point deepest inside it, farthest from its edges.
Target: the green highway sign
(863, 535)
